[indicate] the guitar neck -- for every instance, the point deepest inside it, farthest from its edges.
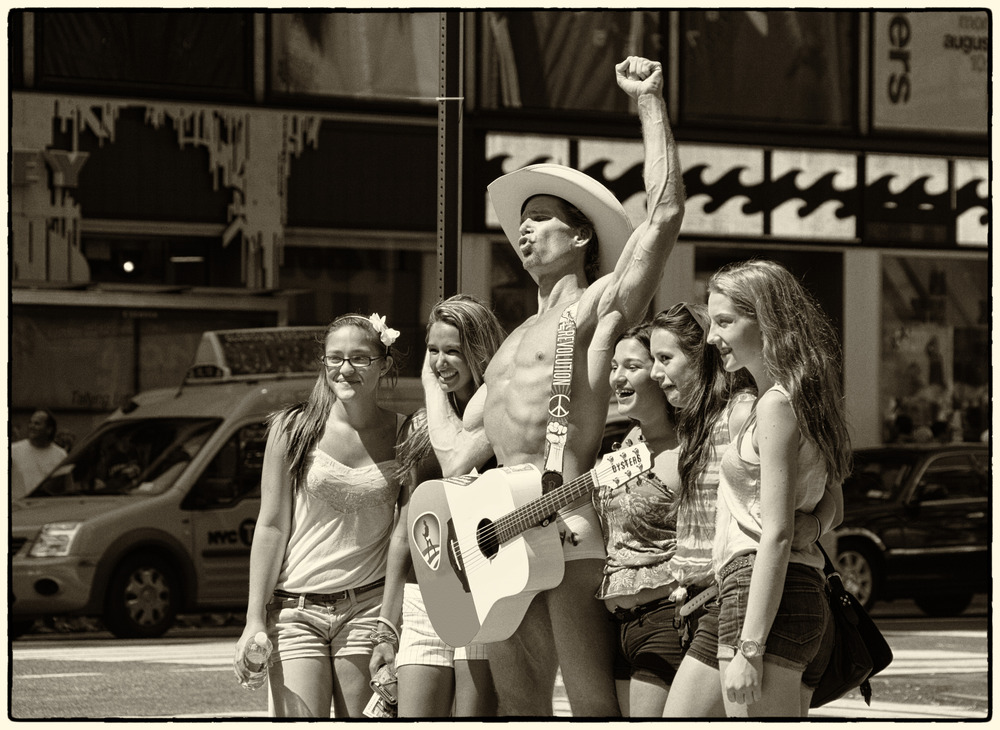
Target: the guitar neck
(532, 513)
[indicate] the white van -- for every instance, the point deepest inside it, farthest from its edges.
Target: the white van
(153, 513)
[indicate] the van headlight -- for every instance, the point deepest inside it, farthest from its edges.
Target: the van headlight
(54, 539)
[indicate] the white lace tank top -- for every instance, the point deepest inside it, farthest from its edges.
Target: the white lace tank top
(341, 524)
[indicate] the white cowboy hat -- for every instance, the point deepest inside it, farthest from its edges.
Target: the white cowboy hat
(509, 193)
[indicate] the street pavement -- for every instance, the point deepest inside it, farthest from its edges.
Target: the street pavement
(41, 667)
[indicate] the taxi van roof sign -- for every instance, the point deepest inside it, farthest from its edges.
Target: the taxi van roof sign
(249, 354)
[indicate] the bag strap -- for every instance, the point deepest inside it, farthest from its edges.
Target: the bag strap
(562, 378)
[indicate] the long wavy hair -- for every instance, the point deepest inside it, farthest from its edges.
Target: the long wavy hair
(303, 423)
(641, 333)
(801, 351)
(711, 389)
(480, 334)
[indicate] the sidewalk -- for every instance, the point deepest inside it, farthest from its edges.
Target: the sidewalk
(857, 709)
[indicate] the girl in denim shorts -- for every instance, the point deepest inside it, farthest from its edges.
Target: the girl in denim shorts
(773, 642)
(711, 404)
(637, 519)
(328, 500)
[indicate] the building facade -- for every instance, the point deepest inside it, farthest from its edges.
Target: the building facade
(179, 171)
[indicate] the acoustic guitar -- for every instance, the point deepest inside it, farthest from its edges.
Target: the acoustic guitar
(484, 545)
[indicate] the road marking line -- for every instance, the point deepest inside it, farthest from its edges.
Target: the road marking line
(57, 676)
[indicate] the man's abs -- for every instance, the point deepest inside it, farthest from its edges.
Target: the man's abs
(519, 384)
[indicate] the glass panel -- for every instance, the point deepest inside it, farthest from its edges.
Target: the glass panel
(952, 477)
(935, 349)
(234, 473)
(368, 278)
(382, 56)
(138, 457)
(740, 66)
(878, 475)
(148, 51)
(931, 71)
(560, 59)
(172, 260)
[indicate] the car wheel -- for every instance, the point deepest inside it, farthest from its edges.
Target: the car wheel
(856, 565)
(17, 629)
(945, 605)
(142, 598)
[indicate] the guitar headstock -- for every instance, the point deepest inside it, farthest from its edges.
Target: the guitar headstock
(623, 465)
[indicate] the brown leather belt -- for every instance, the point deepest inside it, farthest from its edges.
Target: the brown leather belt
(331, 597)
(740, 561)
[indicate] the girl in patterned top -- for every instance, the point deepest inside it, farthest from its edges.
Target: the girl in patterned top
(638, 525)
(711, 405)
(328, 499)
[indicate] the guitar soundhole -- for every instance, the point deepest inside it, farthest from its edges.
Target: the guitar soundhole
(486, 538)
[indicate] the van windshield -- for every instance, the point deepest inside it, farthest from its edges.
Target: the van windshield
(142, 457)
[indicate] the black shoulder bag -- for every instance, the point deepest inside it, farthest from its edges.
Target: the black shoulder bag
(859, 649)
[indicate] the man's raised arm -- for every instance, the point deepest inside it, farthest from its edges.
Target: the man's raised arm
(631, 286)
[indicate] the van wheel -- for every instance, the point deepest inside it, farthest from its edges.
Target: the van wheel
(142, 598)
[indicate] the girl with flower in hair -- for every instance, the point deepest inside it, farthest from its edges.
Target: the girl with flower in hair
(793, 447)
(437, 680)
(329, 494)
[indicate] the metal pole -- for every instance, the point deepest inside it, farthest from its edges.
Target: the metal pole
(449, 171)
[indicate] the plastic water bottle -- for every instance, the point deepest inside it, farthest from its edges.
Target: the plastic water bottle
(255, 659)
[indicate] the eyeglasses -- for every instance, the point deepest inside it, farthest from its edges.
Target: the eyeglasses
(357, 361)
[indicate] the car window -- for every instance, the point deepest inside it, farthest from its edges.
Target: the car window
(234, 473)
(952, 477)
(141, 457)
(878, 476)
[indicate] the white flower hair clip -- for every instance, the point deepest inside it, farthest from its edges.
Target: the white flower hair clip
(387, 334)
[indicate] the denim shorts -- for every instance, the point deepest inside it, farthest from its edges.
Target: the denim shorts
(705, 639)
(649, 646)
(309, 628)
(798, 638)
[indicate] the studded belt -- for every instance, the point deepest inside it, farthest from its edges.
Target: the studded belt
(737, 563)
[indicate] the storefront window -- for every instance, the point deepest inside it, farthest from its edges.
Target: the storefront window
(380, 56)
(560, 59)
(149, 53)
(171, 260)
(935, 349)
(753, 66)
(364, 278)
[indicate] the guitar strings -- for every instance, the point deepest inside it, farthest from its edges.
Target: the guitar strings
(533, 512)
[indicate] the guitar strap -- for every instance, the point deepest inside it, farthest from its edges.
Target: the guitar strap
(562, 378)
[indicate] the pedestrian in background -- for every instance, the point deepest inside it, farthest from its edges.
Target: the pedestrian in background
(329, 496)
(33, 458)
(462, 335)
(794, 445)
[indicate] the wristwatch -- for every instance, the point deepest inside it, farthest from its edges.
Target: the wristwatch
(750, 648)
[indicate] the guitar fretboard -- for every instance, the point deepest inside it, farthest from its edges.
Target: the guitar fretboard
(531, 514)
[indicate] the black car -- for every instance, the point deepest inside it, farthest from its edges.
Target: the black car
(917, 525)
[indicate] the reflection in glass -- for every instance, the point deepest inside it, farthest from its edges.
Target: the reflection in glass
(767, 66)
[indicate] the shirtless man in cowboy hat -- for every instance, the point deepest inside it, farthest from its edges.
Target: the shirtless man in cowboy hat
(555, 217)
